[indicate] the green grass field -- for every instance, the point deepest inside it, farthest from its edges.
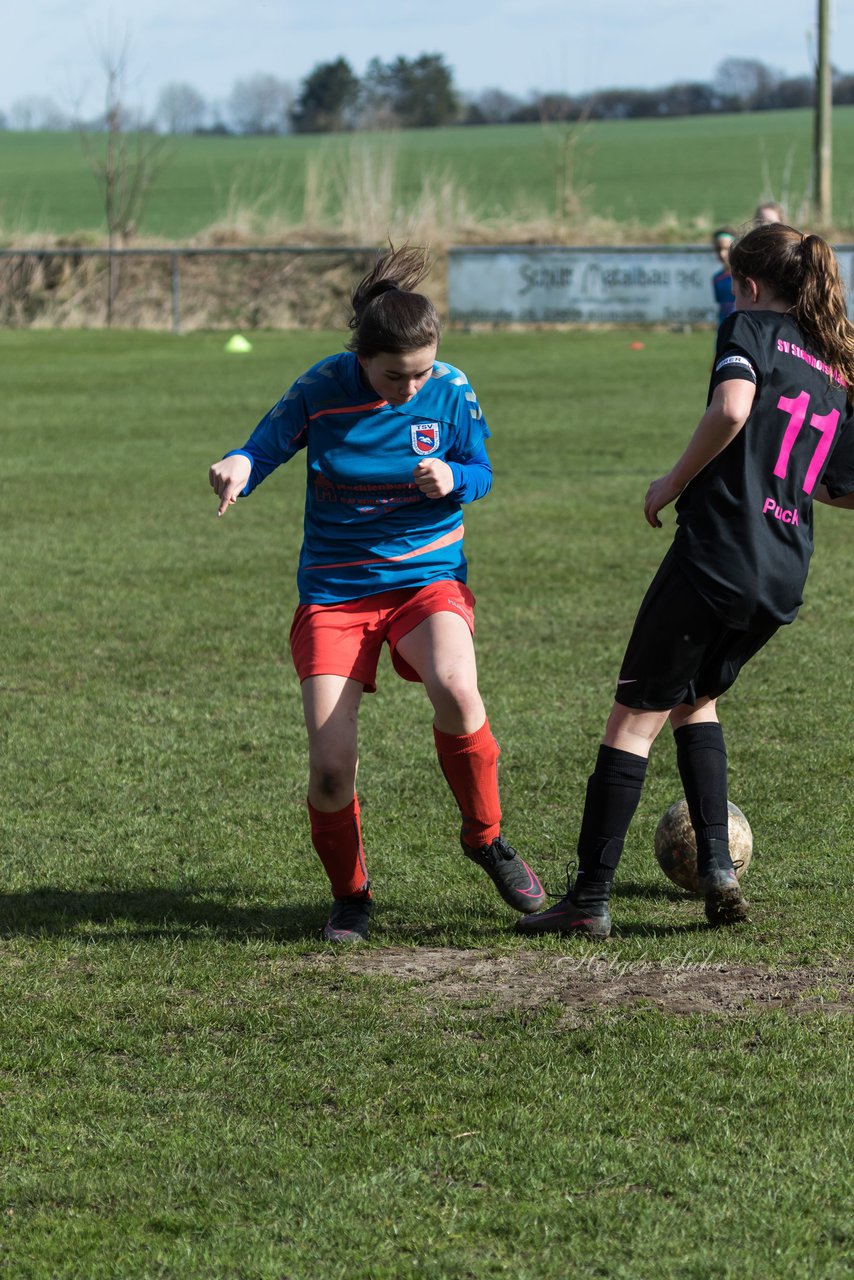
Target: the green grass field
(679, 177)
(191, 1083)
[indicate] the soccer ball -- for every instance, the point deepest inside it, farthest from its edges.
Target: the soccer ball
(676, 845)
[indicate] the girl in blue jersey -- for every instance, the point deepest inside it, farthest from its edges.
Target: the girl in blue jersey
(394, 446)
(722, 241)
(778, 432)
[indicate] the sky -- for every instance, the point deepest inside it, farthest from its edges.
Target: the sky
(55, 48)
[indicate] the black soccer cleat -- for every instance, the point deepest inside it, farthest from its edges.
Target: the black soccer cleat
(724, 901)
(349, 918)
(566, 918)
(511, 875)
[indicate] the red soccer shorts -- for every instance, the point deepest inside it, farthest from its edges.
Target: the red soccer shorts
(346, 639)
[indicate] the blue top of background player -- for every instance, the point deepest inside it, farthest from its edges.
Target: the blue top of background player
(722, 241)
(394, 442)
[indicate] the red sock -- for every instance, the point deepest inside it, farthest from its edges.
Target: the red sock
(468, 762)
(337, 839)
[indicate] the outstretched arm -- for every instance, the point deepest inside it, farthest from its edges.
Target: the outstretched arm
(727, 413)
(278, 436)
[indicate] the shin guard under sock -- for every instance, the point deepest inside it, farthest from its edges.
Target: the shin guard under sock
(613, 793)
(337, 839)
(469, 762)
(702, 763)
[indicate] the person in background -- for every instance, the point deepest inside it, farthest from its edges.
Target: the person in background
(769, 211)
(394, 442)
(722, 240)
(777, 434)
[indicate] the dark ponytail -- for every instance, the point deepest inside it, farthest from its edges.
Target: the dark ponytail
(802, 271)
(387, 314)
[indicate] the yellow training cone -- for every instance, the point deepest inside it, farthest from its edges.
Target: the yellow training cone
(238, 343)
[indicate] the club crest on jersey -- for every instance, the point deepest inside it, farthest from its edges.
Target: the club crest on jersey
(425, 437)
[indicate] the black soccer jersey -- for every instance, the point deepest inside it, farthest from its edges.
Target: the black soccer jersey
(839, 473)
(744, 524)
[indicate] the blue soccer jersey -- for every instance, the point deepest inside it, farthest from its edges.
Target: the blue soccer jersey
(368, 528)
(724, 296)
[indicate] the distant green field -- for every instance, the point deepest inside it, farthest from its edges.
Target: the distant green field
(674, 176)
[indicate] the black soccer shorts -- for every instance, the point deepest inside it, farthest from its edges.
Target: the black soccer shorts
(680, 649)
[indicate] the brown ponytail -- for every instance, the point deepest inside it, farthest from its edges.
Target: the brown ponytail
(387, 314)
(802, 270)
(821, 310)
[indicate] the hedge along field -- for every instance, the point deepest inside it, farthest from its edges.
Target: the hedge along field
(191, 1084)
(596, 181)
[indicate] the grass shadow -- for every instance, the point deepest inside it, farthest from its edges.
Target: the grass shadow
(652, 892)
(152, 913)
(660, 930)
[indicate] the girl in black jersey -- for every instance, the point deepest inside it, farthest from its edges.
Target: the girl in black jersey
(778, 433)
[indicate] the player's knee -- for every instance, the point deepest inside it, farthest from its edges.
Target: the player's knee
(700, 712)
(332, 778)
(456, 692)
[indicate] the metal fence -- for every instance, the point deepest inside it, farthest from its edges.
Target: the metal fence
(147, 287)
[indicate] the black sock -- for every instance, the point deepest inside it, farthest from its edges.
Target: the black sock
(701, 758)
(613, 792)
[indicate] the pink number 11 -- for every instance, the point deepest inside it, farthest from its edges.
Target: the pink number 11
(823, 422)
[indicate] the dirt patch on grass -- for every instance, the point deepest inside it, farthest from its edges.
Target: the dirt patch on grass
(525, 981)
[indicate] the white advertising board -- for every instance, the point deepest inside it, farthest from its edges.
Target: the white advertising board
(556, 285)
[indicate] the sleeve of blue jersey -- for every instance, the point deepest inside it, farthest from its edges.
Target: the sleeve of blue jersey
(467, 457)
(472, 477)
(279, 435)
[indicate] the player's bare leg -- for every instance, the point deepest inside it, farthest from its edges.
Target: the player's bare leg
(440, 649)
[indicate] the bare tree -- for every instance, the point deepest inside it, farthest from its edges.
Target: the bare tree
(125, 159)
(261, 104)
(180, 108)
(491, 106)
(36, 113)
(743, 82)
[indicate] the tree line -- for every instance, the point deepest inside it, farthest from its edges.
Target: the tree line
(420, 93)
